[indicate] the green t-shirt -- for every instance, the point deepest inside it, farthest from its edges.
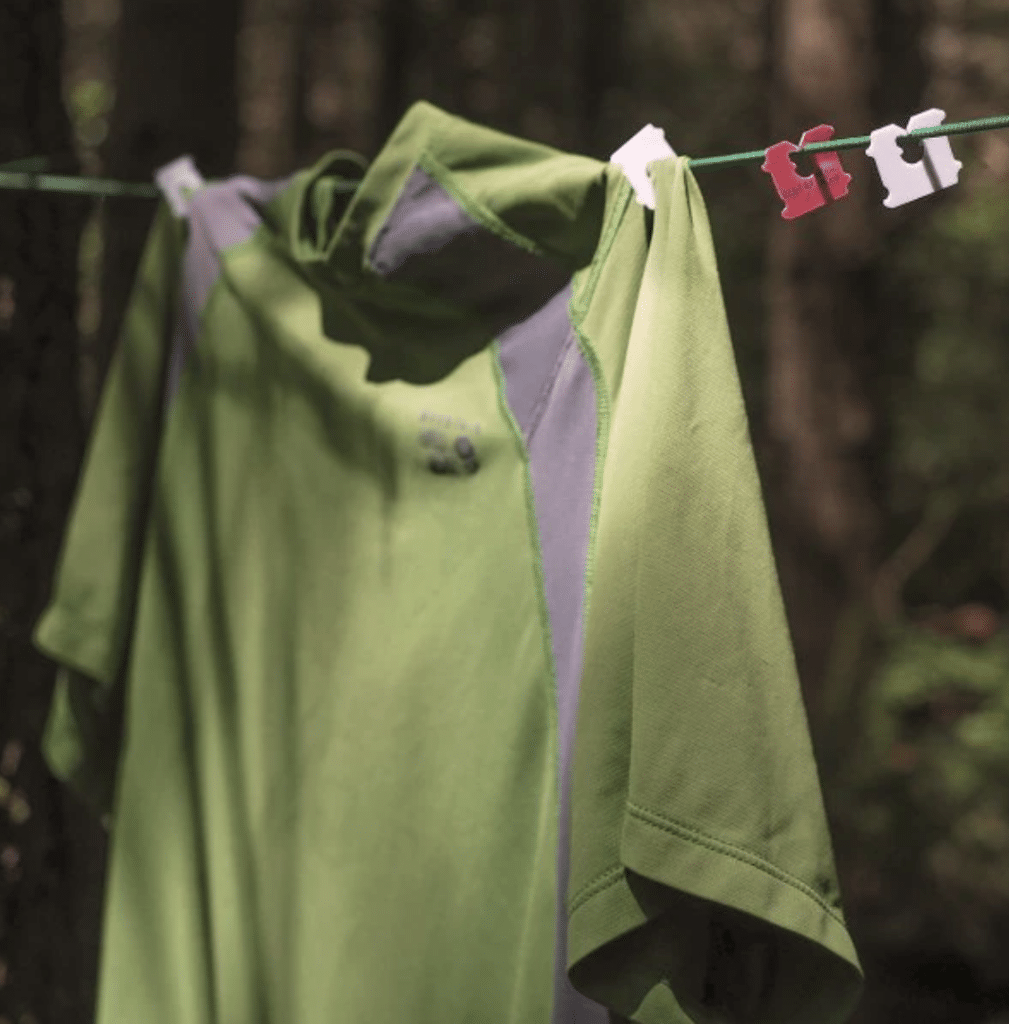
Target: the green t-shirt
(419, 545)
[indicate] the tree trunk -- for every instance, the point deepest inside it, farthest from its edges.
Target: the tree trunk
(474, 60)
(174, 94)
(820, 305)
(269, 73)
(51, 853)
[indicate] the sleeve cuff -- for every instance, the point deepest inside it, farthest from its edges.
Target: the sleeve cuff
(80, 645)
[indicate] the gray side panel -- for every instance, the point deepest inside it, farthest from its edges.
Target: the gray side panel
(531, 355)
(220, 215)
(429, 241)
(552, 394)
(424, 220)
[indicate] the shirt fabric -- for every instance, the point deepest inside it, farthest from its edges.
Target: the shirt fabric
(421, 633)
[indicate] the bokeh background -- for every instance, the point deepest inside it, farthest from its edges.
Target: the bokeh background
(873, 345)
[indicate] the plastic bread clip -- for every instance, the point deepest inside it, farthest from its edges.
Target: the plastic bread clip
(635, 155)
(803, 194)
(904, 181)
(178, 181)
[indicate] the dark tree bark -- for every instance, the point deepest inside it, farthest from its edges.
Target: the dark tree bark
(399, 47)
(51, 853)
(822, 423)
(537, 68)
(174, 94)
(601, 67)
(316, 19)
(830, 358)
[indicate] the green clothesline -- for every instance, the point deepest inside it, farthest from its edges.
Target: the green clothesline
(26, 174)
(983, 124)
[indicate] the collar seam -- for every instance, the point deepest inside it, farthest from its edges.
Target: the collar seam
(581, 298)
(479, 211)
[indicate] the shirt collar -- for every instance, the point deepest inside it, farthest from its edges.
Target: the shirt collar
(440, 178)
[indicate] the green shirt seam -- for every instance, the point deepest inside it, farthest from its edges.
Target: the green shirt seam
(532, 522)
(684, 831)
(477, 210)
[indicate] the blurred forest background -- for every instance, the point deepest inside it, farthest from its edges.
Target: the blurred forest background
(873, 346)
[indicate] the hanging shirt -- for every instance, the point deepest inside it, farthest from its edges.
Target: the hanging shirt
(420, 547)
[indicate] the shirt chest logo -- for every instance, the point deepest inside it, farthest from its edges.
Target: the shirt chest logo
(448, 444)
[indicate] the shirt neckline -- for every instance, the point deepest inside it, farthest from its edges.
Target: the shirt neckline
(530, 193)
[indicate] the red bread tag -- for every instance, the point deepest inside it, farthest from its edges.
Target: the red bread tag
(804, 193)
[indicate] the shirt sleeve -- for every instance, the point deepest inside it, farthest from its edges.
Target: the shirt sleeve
(703, 885)
(86, 626)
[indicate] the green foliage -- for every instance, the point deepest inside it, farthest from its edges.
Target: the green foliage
(951, 413)
(924, 807)
(89, 103)
(922, 799)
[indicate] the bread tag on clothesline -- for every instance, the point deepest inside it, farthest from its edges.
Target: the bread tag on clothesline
(636, 154)
(907, 181)
(804, 193)
(178, 181)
